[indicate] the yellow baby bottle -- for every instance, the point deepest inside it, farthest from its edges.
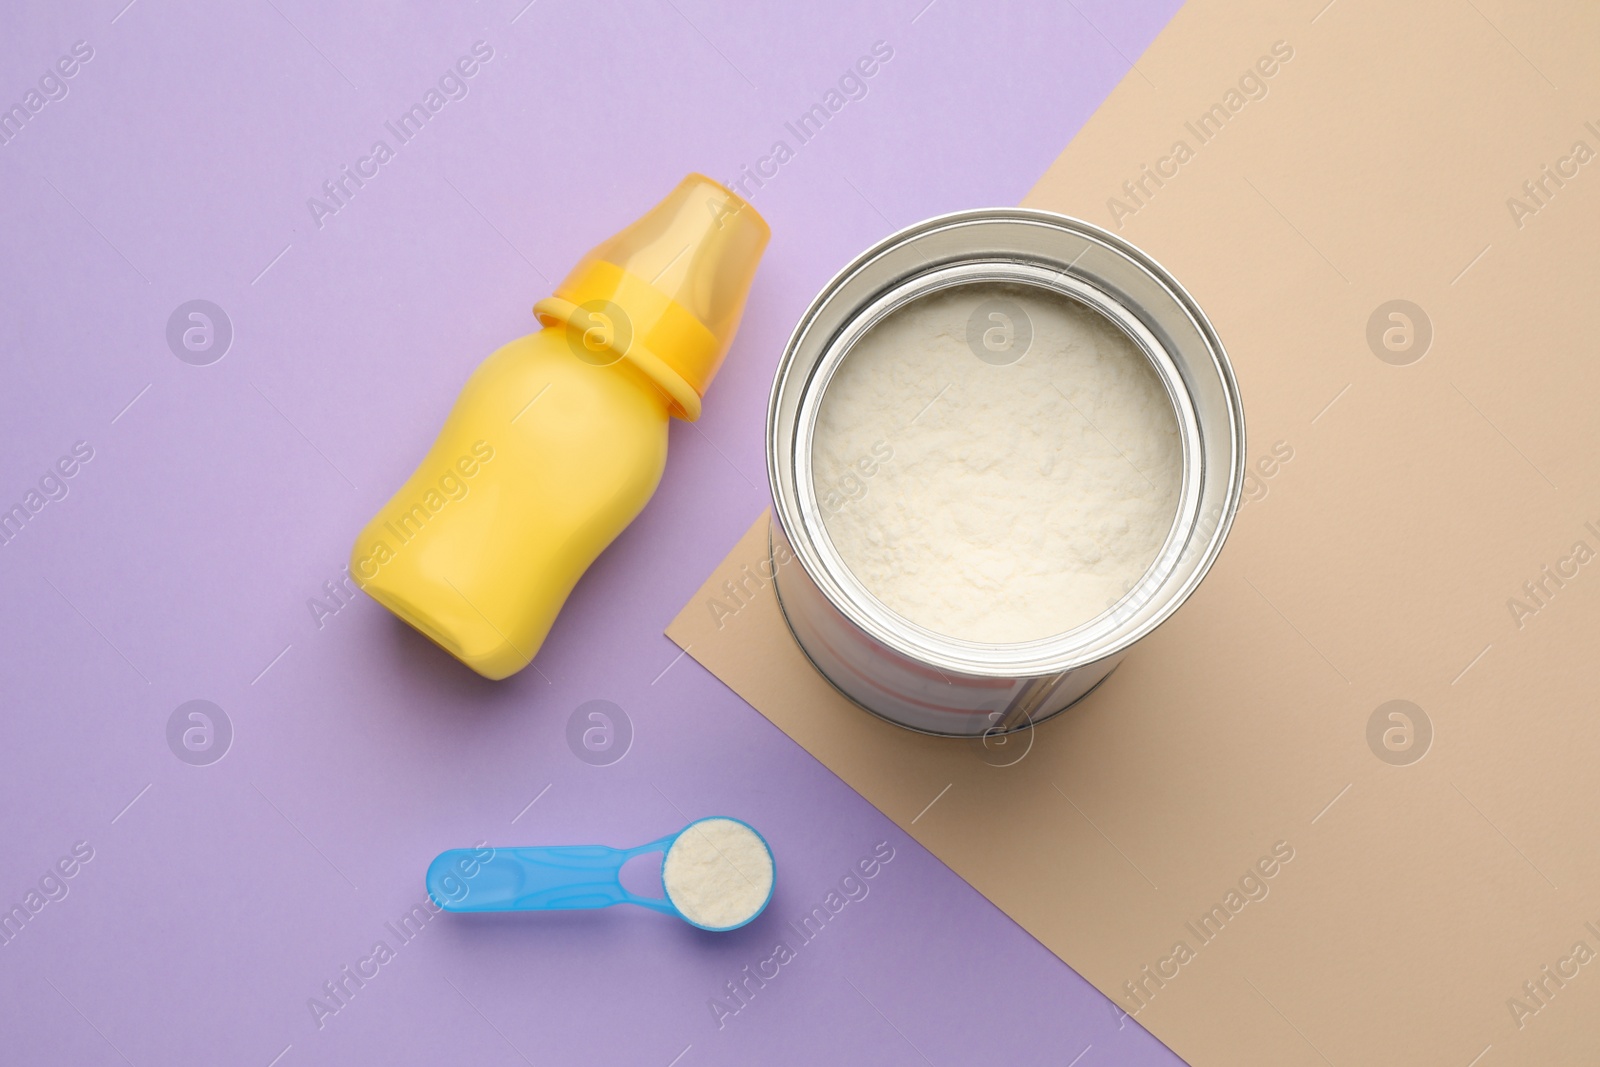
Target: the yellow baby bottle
(559, 438)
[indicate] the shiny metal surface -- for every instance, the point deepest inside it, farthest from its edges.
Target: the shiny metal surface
(911, 675)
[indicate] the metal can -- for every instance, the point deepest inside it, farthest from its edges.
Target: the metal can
(941, 685)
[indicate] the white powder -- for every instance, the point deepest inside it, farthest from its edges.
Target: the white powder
(718, 873)
(997, 503)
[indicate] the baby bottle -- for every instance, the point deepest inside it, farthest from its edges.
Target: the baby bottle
(559, 438)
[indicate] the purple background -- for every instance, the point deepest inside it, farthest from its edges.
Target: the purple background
(182, 561)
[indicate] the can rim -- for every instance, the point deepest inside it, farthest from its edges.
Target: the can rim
(1089, 632)
(1056, 654)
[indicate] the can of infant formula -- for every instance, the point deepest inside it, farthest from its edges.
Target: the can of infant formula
(1004, 445)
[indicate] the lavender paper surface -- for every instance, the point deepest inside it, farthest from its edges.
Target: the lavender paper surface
(197, 553)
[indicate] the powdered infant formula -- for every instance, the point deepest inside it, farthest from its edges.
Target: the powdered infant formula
(990, 496)
(718, 873)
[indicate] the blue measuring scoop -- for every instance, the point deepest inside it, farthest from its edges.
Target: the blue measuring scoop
(561, 877)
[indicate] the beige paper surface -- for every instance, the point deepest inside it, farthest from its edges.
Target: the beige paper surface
(1389, 558)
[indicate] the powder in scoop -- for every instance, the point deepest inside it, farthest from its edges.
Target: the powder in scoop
(997, 501)
(718, 873)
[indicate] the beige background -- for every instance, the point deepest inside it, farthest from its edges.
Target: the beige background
(1376, 564)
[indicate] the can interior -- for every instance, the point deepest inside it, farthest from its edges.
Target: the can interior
(1016, 246)
(1093, 630)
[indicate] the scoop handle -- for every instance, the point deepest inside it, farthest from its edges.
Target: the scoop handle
(544, 878)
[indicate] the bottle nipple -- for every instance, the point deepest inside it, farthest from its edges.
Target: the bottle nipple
(668, 291)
